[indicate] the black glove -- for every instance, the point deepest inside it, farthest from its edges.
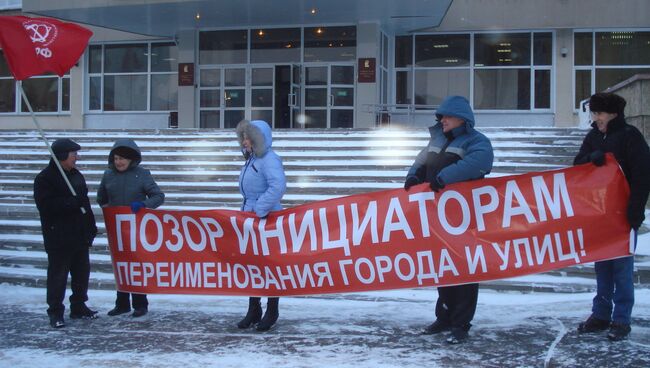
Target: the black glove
(634, 217)
(411, 181)
(597, 158)
(436, 184)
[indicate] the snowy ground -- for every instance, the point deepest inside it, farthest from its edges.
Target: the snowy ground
(378, 329)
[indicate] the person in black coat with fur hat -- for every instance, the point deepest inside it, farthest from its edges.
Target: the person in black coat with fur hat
(68, 227)
(614, 278)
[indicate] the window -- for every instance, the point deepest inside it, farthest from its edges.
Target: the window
(133, 77)
(275, 45)
(433, 85)
(502, 49)
(223, 47)
(330, 44)
(403, 51)
(496, 71)
(442, 50)
(46, 93)
(604, 59)
(502, 74)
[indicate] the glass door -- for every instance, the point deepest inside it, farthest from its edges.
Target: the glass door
(341, 96)
(262, 95)
(329, 96)
(317, 99)
(222, 102)
(296, 102)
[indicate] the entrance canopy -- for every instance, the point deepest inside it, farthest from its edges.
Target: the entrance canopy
(166, 17)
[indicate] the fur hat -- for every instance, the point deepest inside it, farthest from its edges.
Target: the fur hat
(607, 102)
(62, 146)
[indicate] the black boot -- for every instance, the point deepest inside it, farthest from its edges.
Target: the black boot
(618, 331)
(56, 320)
(593, 324)
(81, 311)
(436, 327)
(270, 316)
(253, 315)
(139, 312)
(118, 310)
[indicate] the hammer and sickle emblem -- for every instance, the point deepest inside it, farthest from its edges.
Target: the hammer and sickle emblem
(39, 32)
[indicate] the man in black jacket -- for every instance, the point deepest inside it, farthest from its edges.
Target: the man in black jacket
(68, 227)
(614, 278)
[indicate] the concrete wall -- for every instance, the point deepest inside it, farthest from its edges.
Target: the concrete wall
(636, 91)
(368, 41)
(563, 68)
(187, 94)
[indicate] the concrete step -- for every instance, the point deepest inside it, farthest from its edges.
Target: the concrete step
(199, 169)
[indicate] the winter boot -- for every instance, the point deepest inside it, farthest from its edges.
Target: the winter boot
(81, 311)
(618, 331)
(139, 312)
(436, 327)
(270, 316)
(457, 336)
(253, 315)
(118, 310)
(593, 324)
(56, 320)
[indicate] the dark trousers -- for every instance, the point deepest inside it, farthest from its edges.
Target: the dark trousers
(456, 305)
(77, 264)
(139, 300)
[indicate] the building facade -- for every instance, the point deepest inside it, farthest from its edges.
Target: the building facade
(332, 64)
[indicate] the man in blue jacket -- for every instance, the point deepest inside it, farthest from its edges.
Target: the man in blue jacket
(456, 152)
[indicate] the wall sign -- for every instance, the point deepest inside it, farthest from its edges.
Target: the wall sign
(185, 74)
(367, 70)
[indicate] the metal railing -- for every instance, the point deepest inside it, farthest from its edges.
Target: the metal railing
(384, 112)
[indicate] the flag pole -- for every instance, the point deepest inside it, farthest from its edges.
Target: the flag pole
(47, 143)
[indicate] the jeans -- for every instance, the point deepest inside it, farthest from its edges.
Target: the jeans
(614, 284)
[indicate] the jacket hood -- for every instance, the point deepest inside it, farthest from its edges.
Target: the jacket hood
(128, 148)
(457, 106)
(259, 133)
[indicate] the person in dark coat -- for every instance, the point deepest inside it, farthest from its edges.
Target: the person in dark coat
(68, 227)
(456, 152)
(614, 278)
(126, 183)
(262, 183)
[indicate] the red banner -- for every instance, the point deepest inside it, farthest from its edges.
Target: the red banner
(473, 231)
(34, 46)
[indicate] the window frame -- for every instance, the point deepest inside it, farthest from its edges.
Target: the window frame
(19, 103)
(148, 73)
(472, 68)
(592, 68)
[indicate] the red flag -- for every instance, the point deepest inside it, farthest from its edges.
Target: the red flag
(35, 46)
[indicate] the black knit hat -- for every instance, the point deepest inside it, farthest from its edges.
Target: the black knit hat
(62, 146)
(607, 102)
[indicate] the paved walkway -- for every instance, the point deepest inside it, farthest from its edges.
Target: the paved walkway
(360, 330)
